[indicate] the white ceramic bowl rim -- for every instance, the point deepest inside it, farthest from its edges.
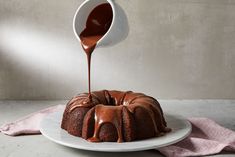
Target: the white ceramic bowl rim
(84, 3)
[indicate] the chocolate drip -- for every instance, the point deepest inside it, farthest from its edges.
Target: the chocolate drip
(98, 23)
(107, 114)
(109, 107)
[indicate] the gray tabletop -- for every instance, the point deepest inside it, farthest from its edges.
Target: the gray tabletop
(222, 111)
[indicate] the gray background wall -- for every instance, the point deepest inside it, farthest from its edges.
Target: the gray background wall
(182, 49)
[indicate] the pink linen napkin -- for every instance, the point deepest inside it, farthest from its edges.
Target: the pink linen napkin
(30, 124)
(207, 136)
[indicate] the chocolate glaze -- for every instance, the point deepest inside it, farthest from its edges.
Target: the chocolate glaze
(98, 23)
(109, 106)
(107, 114)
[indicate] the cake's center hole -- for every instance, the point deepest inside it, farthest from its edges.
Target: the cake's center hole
(114, 102)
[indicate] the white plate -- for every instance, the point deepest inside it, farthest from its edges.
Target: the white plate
(50, 128)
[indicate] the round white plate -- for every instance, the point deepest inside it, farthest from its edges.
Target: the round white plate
(50, 128)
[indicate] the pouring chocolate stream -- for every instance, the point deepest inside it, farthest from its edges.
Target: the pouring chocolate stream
(97, 24)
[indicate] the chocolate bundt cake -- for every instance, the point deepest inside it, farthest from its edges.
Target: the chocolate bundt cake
(114, 116)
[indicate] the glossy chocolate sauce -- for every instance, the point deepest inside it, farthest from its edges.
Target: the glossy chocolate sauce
(98, 23)
(109, 108)
(107, 114)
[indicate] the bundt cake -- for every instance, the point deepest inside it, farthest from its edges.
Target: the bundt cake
(114, 116)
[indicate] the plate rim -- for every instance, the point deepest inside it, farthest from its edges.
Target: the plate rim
(125, 149)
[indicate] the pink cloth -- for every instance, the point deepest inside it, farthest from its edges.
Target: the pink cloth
(29, 124)
(207, 137)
